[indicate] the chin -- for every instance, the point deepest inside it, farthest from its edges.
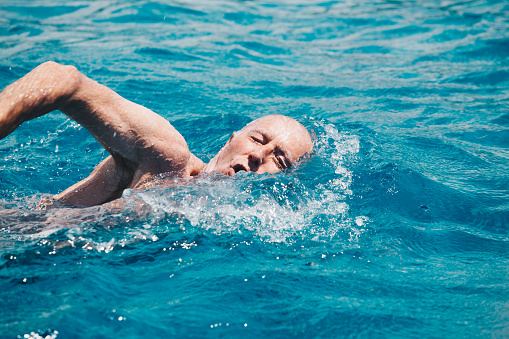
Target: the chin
(225, 171)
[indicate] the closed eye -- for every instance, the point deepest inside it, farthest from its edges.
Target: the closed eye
(261, 139)
(258, 140)
(280, 162)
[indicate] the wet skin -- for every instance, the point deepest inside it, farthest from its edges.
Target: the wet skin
(142, 144)
(267, 145)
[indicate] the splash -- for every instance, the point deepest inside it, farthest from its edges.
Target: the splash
(49, 334)
(280, 208)
(276, 208)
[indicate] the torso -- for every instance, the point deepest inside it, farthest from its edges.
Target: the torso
(155, 178)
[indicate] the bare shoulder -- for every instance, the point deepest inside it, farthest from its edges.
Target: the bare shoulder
(128, 130)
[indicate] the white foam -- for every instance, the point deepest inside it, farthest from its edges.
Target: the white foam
(274, 208)
(227, 206)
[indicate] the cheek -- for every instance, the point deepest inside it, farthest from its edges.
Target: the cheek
(241, 147)
(233, 150)
(270, 167)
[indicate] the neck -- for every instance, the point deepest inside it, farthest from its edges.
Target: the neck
(196, 166)
(207, 168)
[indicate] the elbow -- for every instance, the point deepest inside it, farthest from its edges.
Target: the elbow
(56, 68)
(66, 79)
(69, 74)
(72, 78)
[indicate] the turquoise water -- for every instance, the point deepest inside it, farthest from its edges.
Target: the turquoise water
(396, 228)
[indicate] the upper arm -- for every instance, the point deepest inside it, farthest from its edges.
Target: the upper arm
(126, 129)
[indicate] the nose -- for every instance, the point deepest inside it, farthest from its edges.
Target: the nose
(255, 159)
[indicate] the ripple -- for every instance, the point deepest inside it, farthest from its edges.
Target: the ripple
(262, 48)
(161, 53)
(455, 19)
(502, 120)
(484, 78)
(246, 18)
(485, 50)
(450, 35)
(148, 12)
(42, 12)
(396, 226)
(369, 49)
(404, 31)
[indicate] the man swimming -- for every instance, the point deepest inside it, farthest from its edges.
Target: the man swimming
(141, 143)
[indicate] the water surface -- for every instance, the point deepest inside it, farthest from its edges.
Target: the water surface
(396, 228)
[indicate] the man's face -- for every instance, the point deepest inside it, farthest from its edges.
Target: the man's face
(267, 145)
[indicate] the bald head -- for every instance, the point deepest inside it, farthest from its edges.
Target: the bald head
(288, 130)
(266, 145)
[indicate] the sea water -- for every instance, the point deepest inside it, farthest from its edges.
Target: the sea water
(397, 227)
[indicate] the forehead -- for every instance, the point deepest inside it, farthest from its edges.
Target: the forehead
(290, 136)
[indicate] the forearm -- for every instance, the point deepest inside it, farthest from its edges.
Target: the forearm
(48, 87)
(105, 183)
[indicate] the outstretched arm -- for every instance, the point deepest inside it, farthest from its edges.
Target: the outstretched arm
(46, 88)
(122, 127)
(141, 143)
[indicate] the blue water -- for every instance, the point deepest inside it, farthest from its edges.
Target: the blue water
(398, 227)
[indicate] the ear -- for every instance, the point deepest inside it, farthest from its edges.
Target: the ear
(233, 136)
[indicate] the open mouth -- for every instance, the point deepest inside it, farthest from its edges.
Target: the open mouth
(238, 168)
